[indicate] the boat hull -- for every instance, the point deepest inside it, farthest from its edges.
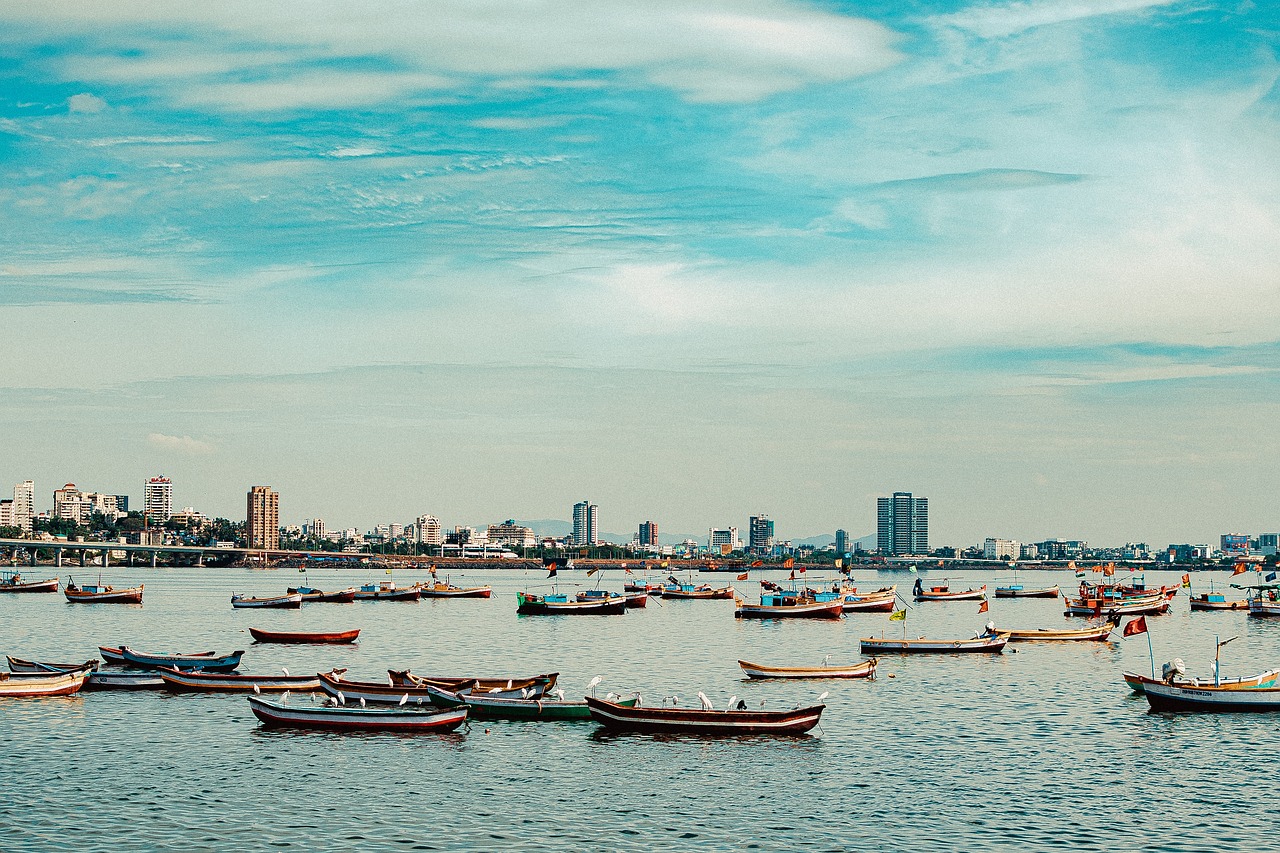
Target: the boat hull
(1202, 604)
(864, 669)
(34, 666)
(279, 602)
(383, 694)
(115, 656)
(636, 599)
(410, 594)
(343, 719)
(536, 606)
(1099, 633)
(32, 686)
(1017, 592)
(225, 663)
(539, 683)
(342, 596)
(455, 592)
(833, 609)
(124, 679)
(698, 594)
(483, 707)
(881, 645)
(1167, 697)
(963, 595)
(30, 586)
(1138, 683)
(176, 681)
(262, 635)
(116, 596)
(620, 718)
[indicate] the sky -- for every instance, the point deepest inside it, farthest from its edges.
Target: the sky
(691, 260)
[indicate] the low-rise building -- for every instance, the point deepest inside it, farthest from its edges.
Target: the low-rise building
(1000, 549)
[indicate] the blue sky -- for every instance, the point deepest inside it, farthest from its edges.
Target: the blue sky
(693, 260)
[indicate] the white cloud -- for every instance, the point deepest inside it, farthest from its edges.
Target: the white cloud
(1000, 20)
(355, 151)
(86, 103)
(180, 444)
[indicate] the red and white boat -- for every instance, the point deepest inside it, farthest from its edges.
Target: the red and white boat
(102, 594)
(349, 719)
(30, 685)
(862, 669)
(177, 681)
(879, 601)
(792, 604)
(289, 602)
(15, 583)
(702, 721)
(636, 599)
(448, 590)
(262, 635)
(944, 593)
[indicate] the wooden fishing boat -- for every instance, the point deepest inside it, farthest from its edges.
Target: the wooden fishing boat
(1097, 633)
(552, 604)
(262, 635)
(1150, 604)
(617, 717)
(113, 655)
(1019, 591)
(944, 593)
(538, 683)
(1138, 683)
(177, 681)
(88, 594)
(699, 591)
(879, 601)
(21, 665)
(636, 599)
(602, 595)
(348, 719)
(388, 591)
(481, 706)
(448, 590)
(793, 604)
(311, 595)
(642, 586)
(1212, 699)
(15, 583)
(862, 669)
(1216, 601)
(289, 602)
(989, 642)
(377, 692)
(31, 685)
(124, 679)
(145, 660)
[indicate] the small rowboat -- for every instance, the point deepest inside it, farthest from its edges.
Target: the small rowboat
(342, 718)
(124, 679)
(311, 595)
(1155, 603)
(481, 706)
(388, 591)
(985, 643)
(638, 586)
(113, 655)
(862, 669)
(1216, 601)
(448, 590)
(1019, 591)
(25, 666)
(290, 602)
(177, 681)
(262, 635)
(30, 685)
(1094, 632)
(375, 692)
(701, 591)
(539, 683)
(880, 601)
(618, 717)
(1210, 698)
(1138, 683)
(225, 663)
(792, 605)
(102, 594)
(15, 583)
(559, 604)
(636, 599)
(943, 593)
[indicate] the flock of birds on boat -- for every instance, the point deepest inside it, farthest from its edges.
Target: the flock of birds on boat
(409, 702)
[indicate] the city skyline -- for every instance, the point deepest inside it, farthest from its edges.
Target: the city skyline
(694, 259)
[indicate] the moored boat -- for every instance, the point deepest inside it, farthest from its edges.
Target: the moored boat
(177, 681)
(262, 635)
(388, 591)
(1209, 698)
(992, 641)
(696, 591)
(1155, 602)
(311, 595)
(22, 665)
(223, 663)
(538, 683)
(481, 706)
(124, 679)
(1138, 683)
(862, 669)
(636, 599)
(878, 601)
(1216, 601)
(448, 590)
(290, 602)
(90, 594)
(1093, 632)
(703, 721)
(1020, 591)
(793, 604)
(942, 592)
(32, 685)
(114, 655)
(343, 718)
(15, 583)
(376, 692)
(551, 604)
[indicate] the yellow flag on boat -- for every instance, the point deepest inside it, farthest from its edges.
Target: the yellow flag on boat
(898, 616)
(591, 572)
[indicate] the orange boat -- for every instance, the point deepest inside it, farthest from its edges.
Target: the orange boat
(262, 635)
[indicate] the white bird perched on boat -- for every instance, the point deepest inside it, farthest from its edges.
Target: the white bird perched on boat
(732, 699)
(508, 683)
(342, 700)
(257, 689)
(706, 703)
(404, 699)
(559, 693)
(285, 670)
(284, 697)
(591, 685)
(526, 693)
(495, 689)
(823, 695)
(361, 701)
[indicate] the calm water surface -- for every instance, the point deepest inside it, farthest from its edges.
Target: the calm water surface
(1041, 749)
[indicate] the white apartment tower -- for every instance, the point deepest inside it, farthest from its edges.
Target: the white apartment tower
(157, 499)
(24, 505)
(585, 524)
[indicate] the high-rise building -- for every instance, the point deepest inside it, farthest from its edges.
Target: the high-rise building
(760, 533)
(71, 504)
(649, 533)
(427, 531)
(585, 524)
(316, 529)
(510, 533)
(718, 536)
(24, 505)
(902, 524)
(157, 499)
(842, 543)
(262, 520)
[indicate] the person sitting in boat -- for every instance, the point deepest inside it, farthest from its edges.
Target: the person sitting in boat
(991, 629)
(918, 588)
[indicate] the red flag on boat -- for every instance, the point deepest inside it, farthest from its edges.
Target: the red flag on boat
(984, 606)
(1109, 570)
(757, 563)
(802, 568)
(793, 576)
(742, 576)
(1135, 626)
(789, 562)
(1240, 569)
(552, 572)
(628, 571)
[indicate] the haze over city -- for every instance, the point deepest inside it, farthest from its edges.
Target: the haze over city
(693, 260)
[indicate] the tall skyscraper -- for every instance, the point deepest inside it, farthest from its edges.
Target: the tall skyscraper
(760, 533)
(649, 533)
(842, 543)
(585, 528)
(316, 528)
(157, 499)
(262, 519)
(24, 505)
(902, 524)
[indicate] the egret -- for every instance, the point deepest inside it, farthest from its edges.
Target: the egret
(361, 701)
(706, 703)
(285, 670)
(495, 690)
(826, 660)
(257, 689)
(342, 700)
(591, 685)
(559, 694)
(404, 699)
(508, 683)
(526, 693)
(284, 697)
(732, 699)
(823, 695)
